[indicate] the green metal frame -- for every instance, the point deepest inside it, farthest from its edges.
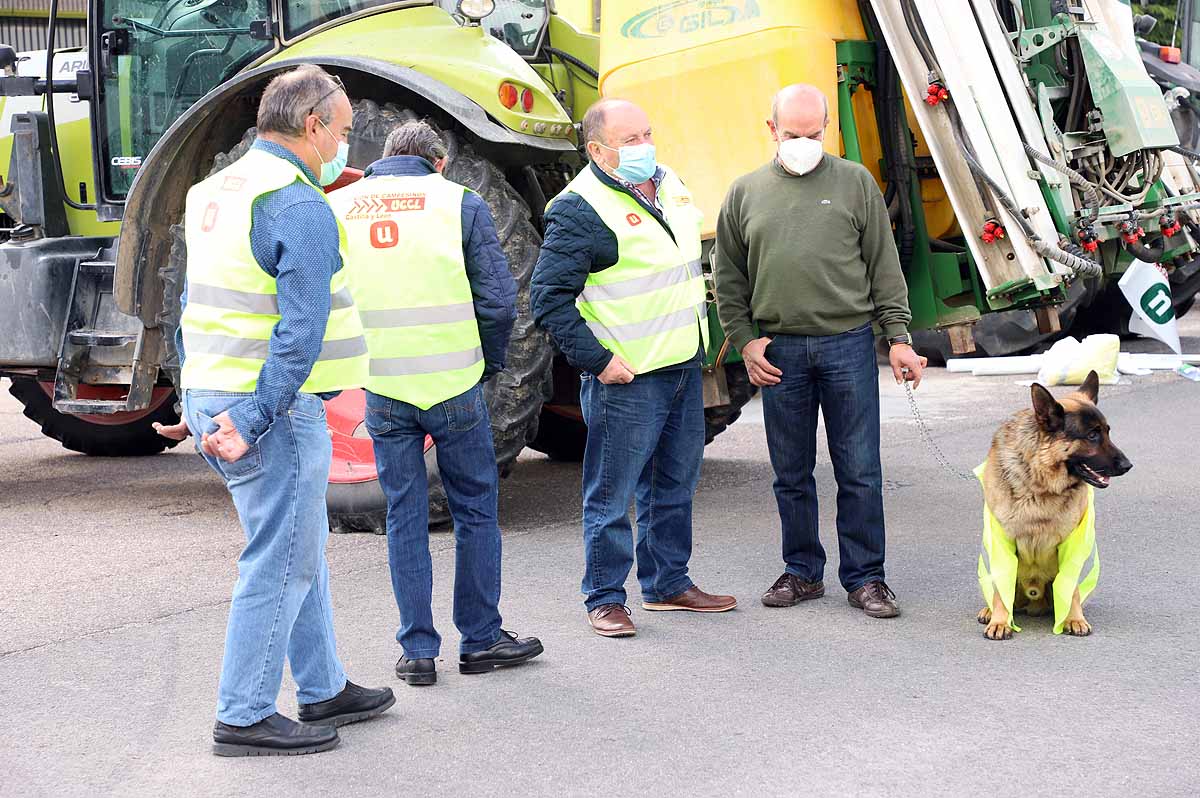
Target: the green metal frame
(943, 288)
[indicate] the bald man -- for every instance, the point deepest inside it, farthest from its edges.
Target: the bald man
(618, 285)
(805, 256)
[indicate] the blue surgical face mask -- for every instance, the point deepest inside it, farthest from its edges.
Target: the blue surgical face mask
(332, 170)
(637, 163)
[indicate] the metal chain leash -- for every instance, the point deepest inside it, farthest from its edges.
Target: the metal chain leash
(938, 454)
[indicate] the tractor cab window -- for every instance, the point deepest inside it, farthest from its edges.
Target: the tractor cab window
(517, 23)
(156, 59)
(301, 16)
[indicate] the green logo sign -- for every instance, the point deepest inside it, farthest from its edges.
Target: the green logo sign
(687, 16)
(1156, 304)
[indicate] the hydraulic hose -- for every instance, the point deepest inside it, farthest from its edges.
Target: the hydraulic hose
(1145, 252)
(1081, 266)
(1089, 191)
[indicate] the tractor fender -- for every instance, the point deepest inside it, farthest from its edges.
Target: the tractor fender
(156, 198)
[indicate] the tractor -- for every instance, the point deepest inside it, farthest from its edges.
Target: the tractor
(1021, 183)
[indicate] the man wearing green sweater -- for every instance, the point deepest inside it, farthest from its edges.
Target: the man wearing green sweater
(805, 252)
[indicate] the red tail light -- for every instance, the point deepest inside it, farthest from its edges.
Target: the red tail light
(527, 100)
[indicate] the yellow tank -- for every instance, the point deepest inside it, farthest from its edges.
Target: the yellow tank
(706, 70)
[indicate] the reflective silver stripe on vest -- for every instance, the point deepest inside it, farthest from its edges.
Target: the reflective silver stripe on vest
(342, 348)
(1088, 564)
(425, 364)
(413, 317)
(655, 326)
(258, 349)
(250, 302)
(230, 299)
(987, 561)
(622, 289)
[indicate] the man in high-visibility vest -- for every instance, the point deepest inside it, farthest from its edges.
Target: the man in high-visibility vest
(268, 329)
(437, 303)
(619, 286)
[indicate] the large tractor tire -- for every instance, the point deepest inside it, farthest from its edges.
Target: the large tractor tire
(514, 396)
(117, 435)
(562, 435)
(741, 391)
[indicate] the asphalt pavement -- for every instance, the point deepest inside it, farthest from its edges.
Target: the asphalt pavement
(117, 572)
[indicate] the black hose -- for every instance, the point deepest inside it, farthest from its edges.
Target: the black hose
(51, 28)
(570, 59)
(1077, 99)
(893, 130)
(923, 46)
(1149, 253)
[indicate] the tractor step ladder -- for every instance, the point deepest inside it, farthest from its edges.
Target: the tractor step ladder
(92, 279)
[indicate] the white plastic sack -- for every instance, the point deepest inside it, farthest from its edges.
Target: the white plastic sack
(1069, 360)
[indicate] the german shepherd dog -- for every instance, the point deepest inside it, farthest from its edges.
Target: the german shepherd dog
(1038, 469)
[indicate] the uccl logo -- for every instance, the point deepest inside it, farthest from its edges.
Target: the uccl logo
(385, 234)
(687, 16)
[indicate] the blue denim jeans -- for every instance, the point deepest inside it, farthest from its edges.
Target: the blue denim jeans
(838, 375)
(466, 458)
(645, 440)
(281, 599)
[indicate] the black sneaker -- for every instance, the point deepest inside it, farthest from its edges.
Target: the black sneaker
(351, 705)
(508, 650)
(417, 671)
(273, 736)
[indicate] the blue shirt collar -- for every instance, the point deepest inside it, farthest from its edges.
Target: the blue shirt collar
(400, 166)
(279, 151)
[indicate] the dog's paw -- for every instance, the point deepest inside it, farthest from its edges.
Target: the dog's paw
(1077, 627)
(998, 631)
(984, 616)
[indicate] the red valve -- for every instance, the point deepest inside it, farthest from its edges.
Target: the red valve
(1130, 232)
(1088, 239)
(936, 93)
(992, 230)
(1169, 225)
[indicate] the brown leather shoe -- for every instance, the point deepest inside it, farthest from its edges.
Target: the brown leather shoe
(789, 590)
(875, 599)
(693, 600)
(612, 620)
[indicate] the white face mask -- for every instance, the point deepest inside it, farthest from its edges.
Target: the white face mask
(800, 156)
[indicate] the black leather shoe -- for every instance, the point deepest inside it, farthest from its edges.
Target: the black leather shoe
(272, 736)
(351, 705)
(508, 650)
(417, 671)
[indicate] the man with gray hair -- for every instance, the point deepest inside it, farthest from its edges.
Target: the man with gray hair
(437, 303)
(269, 330)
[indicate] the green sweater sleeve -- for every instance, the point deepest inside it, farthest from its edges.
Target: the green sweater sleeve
(889, 291)
(731, 275)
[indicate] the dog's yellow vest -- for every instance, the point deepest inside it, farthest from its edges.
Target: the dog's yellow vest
(1078, 561)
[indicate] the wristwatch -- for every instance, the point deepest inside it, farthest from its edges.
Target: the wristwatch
(900, 339)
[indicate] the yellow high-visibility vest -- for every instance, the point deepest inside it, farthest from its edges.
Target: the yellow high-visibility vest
(232, 304)
(649, 307)
(1078, 561)
(404, 236)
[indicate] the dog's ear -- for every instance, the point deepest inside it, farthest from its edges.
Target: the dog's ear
(1046, 408)
(1091, 387)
